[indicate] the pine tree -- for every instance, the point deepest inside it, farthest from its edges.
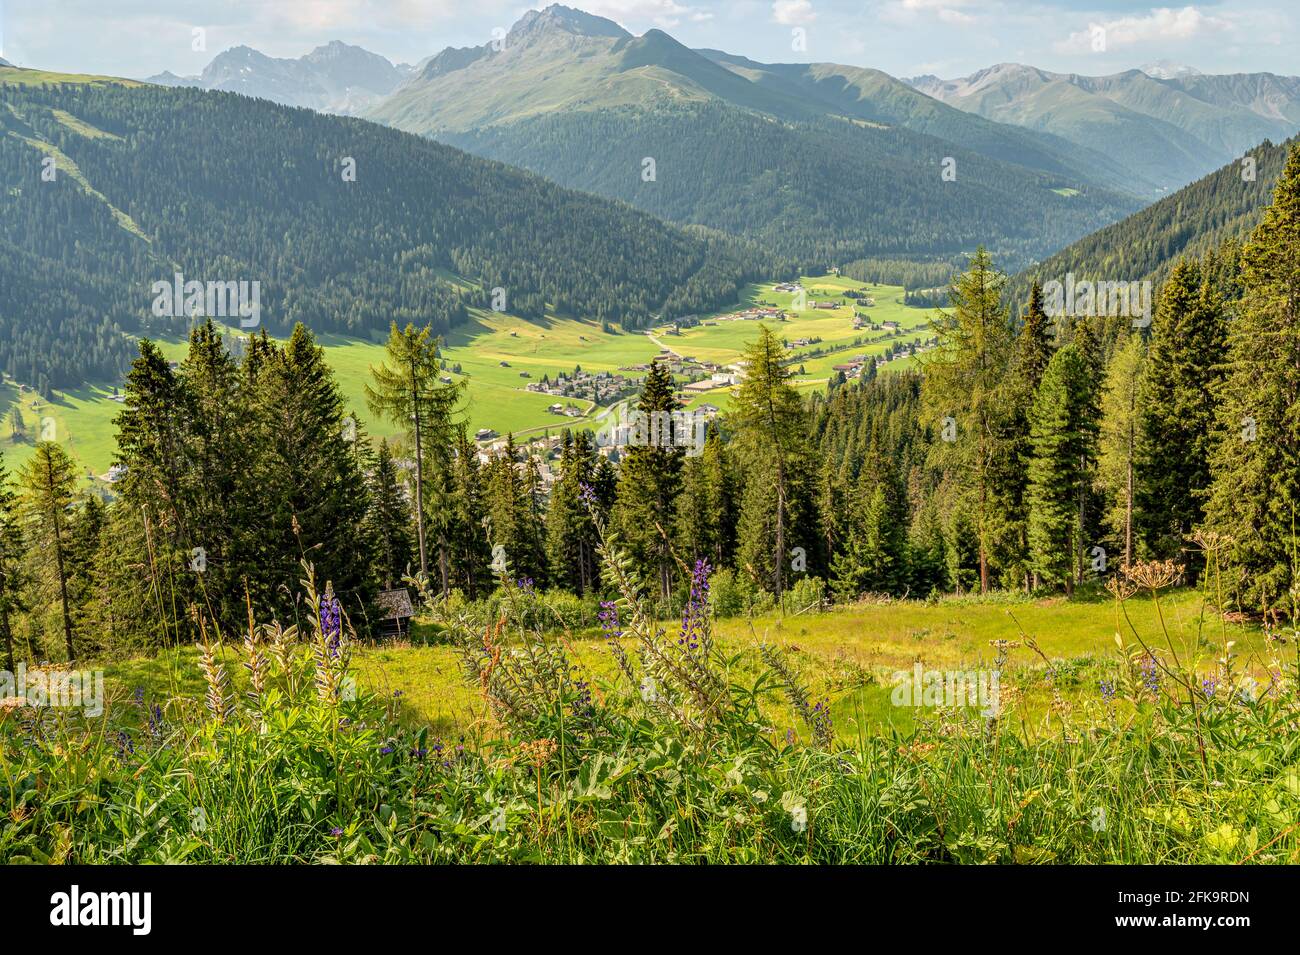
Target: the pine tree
(1256, 464)
(1183, 370)
(1063, 432)
(772, 425)
(966, 379)
(11, 553)
(387, 524)
(570, 530)
(1118, 441)
(48, 486)
(650, 480)
(311, 492)
(470, 556)
(408, 391)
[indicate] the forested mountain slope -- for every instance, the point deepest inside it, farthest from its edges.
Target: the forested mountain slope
(811, 173)
(152, 181)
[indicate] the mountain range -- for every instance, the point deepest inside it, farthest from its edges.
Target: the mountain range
(335, 78)
(824, 164)
(816, 162)
(1167, 129)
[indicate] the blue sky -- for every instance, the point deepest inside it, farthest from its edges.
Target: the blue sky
(902, 37)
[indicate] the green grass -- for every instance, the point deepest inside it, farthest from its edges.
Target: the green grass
(847, 656)
(16, 76)
(495, 396)
(422, 770)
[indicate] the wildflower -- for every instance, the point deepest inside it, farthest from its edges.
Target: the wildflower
(123, 743)
(587, 496)
(1155, 574)
(821, 720)
(331, 620)
(608, 619)
(385, 750)
(336, 832)
(1107, 691)
(1209, 685)
(154, 726)
(695, 614)
(1150, 675)
(525, 585)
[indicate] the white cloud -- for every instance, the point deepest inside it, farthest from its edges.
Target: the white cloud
(663, 13)
(1160, 25)
(907, 12)
(793, 12)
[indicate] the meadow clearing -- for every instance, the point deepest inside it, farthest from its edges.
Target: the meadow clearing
(848, 656)
(496, 396)
(766, 740)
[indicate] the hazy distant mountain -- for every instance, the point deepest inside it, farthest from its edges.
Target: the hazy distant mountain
(824, 163)
(4, 62)
(1170, 130)
(336, 78)
(1168, 70)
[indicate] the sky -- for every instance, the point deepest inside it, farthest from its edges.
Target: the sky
(949, 38)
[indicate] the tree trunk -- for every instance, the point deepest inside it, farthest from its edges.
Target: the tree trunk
(1128, 505)
(780, 523)
(58, 564)
(9, 639)
(419, 476)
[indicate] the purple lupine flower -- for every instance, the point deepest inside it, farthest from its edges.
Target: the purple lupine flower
(587, 495)
(155, 723)
(525, 585)
(1107, 690)
(608, 617)
(331, 620)
(821, 720)
(1150, 675)
(696, 612)
(1209, 685)
(336, 832)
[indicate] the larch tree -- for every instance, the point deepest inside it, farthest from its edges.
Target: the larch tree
(966, 386)
(48, 485)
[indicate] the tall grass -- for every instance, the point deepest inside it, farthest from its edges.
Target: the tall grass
(670, 760)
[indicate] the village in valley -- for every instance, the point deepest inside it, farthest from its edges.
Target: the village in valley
(531, 381)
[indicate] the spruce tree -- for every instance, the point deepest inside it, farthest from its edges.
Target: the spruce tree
(1183, 370)
(1256, 463)
(650, 480)
(11, 553)
(1118, 442)
(1063, 432)
(387, 524)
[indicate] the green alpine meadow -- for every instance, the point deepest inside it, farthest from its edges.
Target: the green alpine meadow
(665, 434)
